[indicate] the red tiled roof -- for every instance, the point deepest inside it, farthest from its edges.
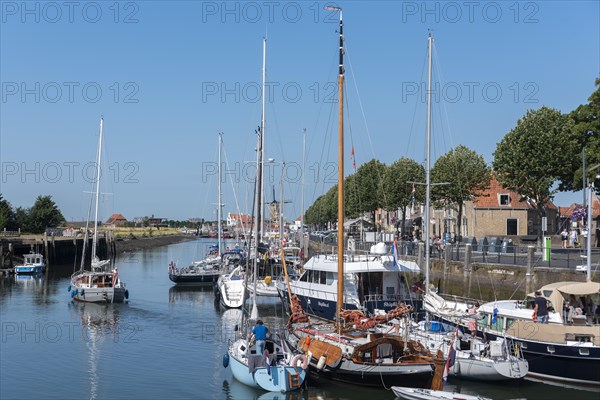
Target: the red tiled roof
(490, 198)
(116, 217)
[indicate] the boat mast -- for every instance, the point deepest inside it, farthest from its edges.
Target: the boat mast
(262, 144)
(94, 241)
(255, 208)
(340, 219)
(220, 204)
(302, 191)
(281, 205)
(589, 234)
(426, 223)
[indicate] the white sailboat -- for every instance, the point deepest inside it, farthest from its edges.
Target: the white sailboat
(100, 284)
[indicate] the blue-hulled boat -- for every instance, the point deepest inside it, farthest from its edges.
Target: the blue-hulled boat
(33, 264)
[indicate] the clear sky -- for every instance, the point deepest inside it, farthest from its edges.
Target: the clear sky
(167, 76)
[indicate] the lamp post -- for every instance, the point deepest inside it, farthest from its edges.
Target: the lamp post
(590, 188)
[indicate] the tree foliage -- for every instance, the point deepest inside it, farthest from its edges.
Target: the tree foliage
(398, 192)
(586, 120)
(466, 173)
(532, 156)
(369, 183)
(8, 219)
(44, 214)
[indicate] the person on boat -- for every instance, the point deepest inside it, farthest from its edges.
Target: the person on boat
(260, 333)
(473, 319)
(540, 310)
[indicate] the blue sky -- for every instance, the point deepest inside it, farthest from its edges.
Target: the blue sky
(168, 76)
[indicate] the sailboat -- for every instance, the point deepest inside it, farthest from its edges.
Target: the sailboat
(207, 270)
(350, 352)
(101, 283)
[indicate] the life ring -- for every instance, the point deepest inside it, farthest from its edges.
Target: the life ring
(299, 358)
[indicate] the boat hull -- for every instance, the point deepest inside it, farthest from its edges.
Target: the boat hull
(231, 292)
(194, 279)
(417, 375)
(279, 378)
(29, 270)
(100, 295)
(427, 394)
(240, 371)
(488, 370)
(574, 363)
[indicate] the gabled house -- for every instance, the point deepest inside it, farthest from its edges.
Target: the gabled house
(115, 220)
(500, 212)
(238, 220)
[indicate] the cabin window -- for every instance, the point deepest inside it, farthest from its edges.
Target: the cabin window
(504, 199)
(304, 276)
(498, 325)
(509, 322)
(584, 352)
(322, 277)
(483, 322)
(329, 278)
(512, 226)
(389, 290)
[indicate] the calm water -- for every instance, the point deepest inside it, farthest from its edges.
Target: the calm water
(166, 343)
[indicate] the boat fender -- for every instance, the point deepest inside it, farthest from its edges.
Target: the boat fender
(299, 359)
(73, 293)
(126, 294)
(69, 288)
(321, 362)
(225, 360)
(83, 292)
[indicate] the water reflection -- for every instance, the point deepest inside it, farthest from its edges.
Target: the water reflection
(99, 323)
(189, 294)
(30, 282)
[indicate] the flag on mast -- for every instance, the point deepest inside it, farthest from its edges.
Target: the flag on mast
(353, 158)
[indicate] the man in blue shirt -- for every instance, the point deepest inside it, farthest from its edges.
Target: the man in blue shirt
(260, 333)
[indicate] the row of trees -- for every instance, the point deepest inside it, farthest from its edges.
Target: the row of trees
(43, 214)
(376, 185)
(539, 157)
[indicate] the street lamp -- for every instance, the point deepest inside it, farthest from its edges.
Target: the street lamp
(590, 188)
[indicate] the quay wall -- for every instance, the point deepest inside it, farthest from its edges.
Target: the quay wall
(477, 280)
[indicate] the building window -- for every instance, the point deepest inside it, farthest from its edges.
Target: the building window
(512, 226)
(504, 200)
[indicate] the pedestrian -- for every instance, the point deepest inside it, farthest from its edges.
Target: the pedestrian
(564, 235)
(260, 333)
(574, 238)
(540, 311)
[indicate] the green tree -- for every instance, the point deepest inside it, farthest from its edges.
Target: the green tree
(467, 175)
(586, 119)
(530, 158)
(22, 219)
(369, 183)
(8, 218)
(44, 214)
(398, 192)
